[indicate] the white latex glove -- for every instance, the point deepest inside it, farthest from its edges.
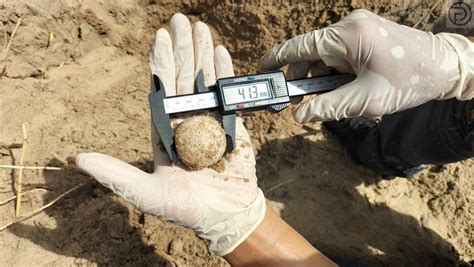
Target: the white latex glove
(397, 67)
(224, 207)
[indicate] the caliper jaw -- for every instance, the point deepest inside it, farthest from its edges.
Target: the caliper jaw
(161, 120)
(228, 123)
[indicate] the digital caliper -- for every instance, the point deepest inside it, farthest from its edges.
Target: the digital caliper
(234, 94)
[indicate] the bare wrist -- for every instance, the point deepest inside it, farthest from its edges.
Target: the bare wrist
(275, 243)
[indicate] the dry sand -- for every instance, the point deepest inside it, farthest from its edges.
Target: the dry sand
(87, 91)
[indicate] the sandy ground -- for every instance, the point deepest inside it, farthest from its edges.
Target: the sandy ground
(87, 91)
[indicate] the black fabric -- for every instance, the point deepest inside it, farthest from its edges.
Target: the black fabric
(437, 132)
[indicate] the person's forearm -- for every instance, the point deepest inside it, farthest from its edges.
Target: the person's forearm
(275, 243)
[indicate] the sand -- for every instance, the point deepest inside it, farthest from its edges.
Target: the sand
(87, 91)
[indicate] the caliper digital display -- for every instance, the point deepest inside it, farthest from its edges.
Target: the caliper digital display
(246, 93)
(252, 92)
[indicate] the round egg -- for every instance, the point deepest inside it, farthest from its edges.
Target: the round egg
(200, 141)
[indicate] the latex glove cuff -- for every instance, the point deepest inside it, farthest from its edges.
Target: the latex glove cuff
(226, 236)
(464, 88)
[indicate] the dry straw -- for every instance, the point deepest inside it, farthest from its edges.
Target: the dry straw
(34, 212)
(20, 172)
(5, 52)
(47, 168)
(19, 181)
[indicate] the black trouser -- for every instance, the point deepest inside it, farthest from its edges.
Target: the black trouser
(437, 132)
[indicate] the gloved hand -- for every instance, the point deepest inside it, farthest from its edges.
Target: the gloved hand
(397, 67)
(222, 207)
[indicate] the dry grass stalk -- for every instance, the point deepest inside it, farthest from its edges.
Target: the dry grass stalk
(426, 15)
(56, 157)
(33, 213)
(5, 37)
(278, 185)
(24, 193)
(50, 39)
(20, 172)
(61, 65)
(71, 166)
(3, 71)
(5, 52)
(10, 146)
(31, 167)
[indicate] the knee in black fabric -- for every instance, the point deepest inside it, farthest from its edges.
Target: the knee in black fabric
(433, 133)
(366, 150)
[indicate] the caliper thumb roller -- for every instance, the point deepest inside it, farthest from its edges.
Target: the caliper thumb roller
(231, 95)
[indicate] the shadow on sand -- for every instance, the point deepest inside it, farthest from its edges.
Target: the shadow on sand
(90, 223)
(323, 204)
